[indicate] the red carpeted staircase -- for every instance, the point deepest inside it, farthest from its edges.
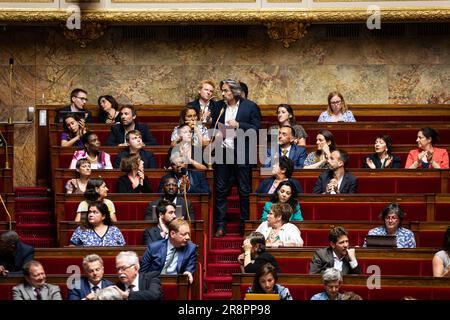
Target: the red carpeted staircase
(34, 216)
(222, 255)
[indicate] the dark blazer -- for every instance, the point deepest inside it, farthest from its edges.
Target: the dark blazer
(261, 260)
(146, 156)
(396, 161)
(14, 264)
(297, 154)
(155, 257)
(85, 289)
(349, 182)
(68, 109)
(248, 116)
(149, 287)
(196, 104)
(124, 186)
(264, 185)
(323, 259)
(117, 134)
(199, 184)
(103, 116)
(152, 234)
(180, 202)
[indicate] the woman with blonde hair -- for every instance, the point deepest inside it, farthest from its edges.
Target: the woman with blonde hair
(337, 110)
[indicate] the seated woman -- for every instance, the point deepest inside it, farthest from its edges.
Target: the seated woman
(98, 159)
(441, 260)
(266, 282)
(332, 281)
(282, 171)
(284, 193)
(337, 110)
(74, 128)
(97, 230)
(135, 180)
(286, 116)
(189, 116)
(392, 217)
(78, 185)
(383, 156)
(108, 110)
(255, 254)
(427, 156)
(96, 190)
(185, 151)
(325, 145)
(277, 230)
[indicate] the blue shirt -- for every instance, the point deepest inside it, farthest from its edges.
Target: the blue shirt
(323, 296)
(405, 237)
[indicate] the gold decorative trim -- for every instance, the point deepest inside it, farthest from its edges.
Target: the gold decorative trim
(250, 16)
(286, 33)
(183, 1)
(88, 32)
(82, 1)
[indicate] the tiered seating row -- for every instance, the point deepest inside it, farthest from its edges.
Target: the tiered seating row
(175, 287)
(315, 233)
(303, 287)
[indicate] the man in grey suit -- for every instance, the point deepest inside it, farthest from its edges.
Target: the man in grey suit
(166, 213)
(170, 190)
(34, 287)
(338, 255)
(134, 285)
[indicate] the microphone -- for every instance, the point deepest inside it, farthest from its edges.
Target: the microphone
(11, 65)
(184, 191)
(11, 62)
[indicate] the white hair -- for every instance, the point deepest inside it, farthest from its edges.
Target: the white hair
(331, 274)
(108, 293)
(129, 256)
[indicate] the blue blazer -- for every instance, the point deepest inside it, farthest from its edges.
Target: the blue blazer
(85, 289)
(155, 257)
(248, 116)
(117, 134)
(297, 154)
(264, 186)
(199, 184)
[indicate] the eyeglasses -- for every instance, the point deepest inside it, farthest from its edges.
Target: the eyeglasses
(83, 98)
(336, 102)
(391, 218)
(123, 268)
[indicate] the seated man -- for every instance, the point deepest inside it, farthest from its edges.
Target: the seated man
(175, 255)
(166, 213)
(78, 100)
(135, 145)
(336, 180)
(35, 287)
(134, 285)
(90, 285)
(287, 147)
(127, 123)
(189, 180)
(332, 281)
(338, 255)
(170, 193)
(13, 253)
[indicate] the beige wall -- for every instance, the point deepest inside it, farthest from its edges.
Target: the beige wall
(366, 70)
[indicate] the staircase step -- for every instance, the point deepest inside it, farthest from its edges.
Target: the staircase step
(31, 192)
(218, 284)
(227, 242)
(223, 269)
(34, 217)
(32, 204)
(223, 256)
(217, 295)
(39, 242)
(39, 231)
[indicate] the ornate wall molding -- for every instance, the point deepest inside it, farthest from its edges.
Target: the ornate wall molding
(118, 17)
(88, 33)
(286, 32)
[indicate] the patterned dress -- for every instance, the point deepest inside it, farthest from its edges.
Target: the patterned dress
(87, 237)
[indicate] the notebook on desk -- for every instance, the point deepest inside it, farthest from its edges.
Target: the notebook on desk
(262, 296)
(377, 241)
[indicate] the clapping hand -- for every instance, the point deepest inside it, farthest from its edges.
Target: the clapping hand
(388, 161)
(332, 186)
(370, 163)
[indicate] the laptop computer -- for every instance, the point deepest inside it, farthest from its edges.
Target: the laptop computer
(262, 296)
(377, 241)
(178, 212)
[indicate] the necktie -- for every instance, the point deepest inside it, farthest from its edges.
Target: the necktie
(130, 287)
(284, 152)
(95, 289)
(169, 260)
(38, 293)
